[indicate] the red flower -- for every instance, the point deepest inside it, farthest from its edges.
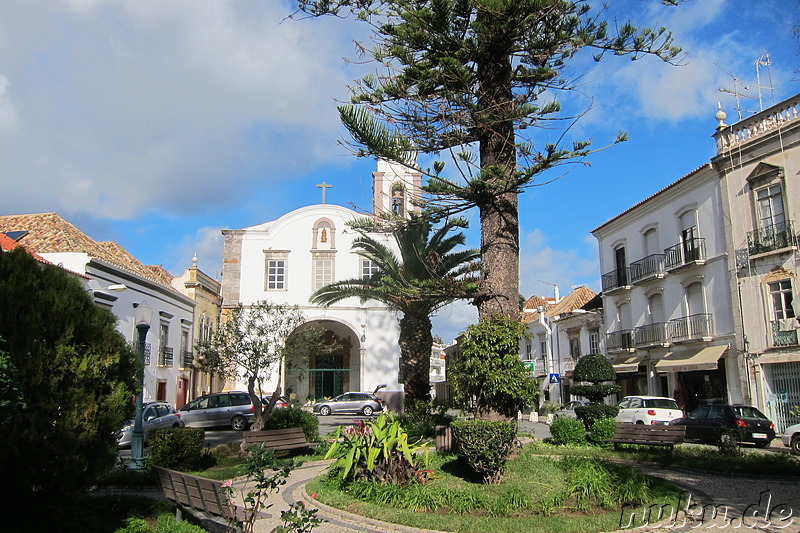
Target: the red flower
(314, 496)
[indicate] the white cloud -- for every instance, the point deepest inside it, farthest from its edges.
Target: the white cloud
(172, 104)
(206, 245)
(542, 266)
(452, 320)
(8, 116)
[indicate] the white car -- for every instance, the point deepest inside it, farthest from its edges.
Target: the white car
(155, 415)
(648, 410)
(791, 438)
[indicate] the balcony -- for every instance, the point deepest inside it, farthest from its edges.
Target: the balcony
(620, 341)
(616, 280)
(568, 365)
(685, 254)
(770, 238)
(783, 336)
(187, 359)
(691, 328)
(651, 335)
(648, 268)
(165, 356)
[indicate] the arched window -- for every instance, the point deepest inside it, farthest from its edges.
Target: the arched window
(398, 199)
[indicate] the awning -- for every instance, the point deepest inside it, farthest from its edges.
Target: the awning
(627, 364)
(690, 360)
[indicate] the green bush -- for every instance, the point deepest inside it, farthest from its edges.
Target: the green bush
(484, 445)
(292, 417)
(378, 450)
(420, 425)
(602, 430)
(164, 524)
(593, 412)
(566, 430)
(179, 449)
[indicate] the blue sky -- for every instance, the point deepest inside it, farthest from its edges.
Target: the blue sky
(157, 123)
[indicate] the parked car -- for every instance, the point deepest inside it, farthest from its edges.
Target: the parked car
(568, 409)
(364, 403)
(705, 424)
(219, 409)
(649, 410)
(791, 438)
(281, 403)
(155, 415)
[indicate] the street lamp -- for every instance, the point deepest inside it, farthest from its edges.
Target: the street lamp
(143, 314)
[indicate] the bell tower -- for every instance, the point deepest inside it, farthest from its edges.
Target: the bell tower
(396, 189)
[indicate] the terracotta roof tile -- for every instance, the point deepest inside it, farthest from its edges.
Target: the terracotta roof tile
(50, 233)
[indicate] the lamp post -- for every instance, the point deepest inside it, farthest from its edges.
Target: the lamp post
(143, 314)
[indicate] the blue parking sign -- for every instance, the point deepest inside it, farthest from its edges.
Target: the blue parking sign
(555, 378)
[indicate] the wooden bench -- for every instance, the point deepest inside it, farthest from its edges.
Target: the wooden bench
(277, 439)
(199, 494)
(660, 435)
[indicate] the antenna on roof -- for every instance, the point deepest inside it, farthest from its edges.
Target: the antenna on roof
(743, 90)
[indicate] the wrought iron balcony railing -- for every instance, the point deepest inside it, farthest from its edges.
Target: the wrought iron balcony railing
(187, 359)
(616, 279)
(782, 336)
(694, 327)
(651, 335)
(771, 238)
(647, 268)
(620, 340)
(165, 356)
(688, 252)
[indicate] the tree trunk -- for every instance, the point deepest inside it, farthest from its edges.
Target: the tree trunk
(415, 352)
(499, 211)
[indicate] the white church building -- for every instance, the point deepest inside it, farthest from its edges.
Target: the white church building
(286, 260)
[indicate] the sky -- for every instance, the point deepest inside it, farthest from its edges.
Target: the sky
(158, 123)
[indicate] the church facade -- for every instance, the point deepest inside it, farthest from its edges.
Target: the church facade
(287, 259)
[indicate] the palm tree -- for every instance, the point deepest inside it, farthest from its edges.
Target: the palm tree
(427, 276)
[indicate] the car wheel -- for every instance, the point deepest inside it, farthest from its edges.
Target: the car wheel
(795, 445)
(176, 425)
(239, 423)
(324, 410)
(367, 410)
(640, 422)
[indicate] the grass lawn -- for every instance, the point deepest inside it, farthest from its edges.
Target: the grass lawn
(535, 495)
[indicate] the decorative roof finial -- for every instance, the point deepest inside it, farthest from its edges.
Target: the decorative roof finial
(721, 116)
(194, 259)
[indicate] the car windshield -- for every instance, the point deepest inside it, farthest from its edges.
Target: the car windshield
(661, 403)
(743, 411)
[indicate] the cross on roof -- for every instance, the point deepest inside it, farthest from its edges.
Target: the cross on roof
(323, 186)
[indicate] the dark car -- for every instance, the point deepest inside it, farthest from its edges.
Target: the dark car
(706, 424)
(568, 409)
(218, 409)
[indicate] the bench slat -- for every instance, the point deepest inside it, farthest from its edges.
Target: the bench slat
(278, 439)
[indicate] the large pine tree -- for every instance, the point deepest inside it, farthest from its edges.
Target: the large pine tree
(478, 79)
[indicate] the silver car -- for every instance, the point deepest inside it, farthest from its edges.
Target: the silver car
(791, 438)
(219, 409)
(363, 403)
(155, 415)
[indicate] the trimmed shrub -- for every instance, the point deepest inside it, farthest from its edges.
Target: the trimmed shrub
(602, 430)
(178, 449)
(589, 414)
(292, 417)
(566, 430)
(484, 445)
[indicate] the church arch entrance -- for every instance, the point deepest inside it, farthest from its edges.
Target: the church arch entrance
(329, 367)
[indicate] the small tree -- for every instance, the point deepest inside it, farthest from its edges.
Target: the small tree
(596, 370)
(488, 373)
(67, 377)
(251, 343)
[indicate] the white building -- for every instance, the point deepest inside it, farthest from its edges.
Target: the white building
(286, 260)
(560, 331)
(666, 297)
(758, 164)
(119, 283)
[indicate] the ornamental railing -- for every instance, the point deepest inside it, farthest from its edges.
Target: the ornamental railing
(685, 253)
(692, 327)
(773, 237)
(165, 356)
